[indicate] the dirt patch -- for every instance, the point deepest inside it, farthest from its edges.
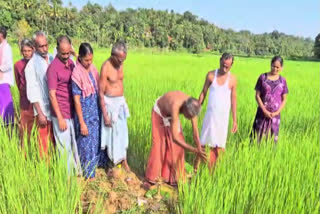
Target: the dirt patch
(121, 192)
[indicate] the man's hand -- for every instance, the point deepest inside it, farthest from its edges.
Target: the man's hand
(200, 153)
(84, 129)
(107, 121)
(62, 124)
(234, 127)
(42, 120)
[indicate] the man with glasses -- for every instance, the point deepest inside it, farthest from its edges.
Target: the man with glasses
(37, 89)
(114, 130)
(59, 84)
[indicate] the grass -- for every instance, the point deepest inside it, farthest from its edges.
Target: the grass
(247, 179)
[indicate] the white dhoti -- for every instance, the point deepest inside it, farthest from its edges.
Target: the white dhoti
(115, 138)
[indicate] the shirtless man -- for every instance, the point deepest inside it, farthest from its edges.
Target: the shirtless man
(114, 129)
(166, 160)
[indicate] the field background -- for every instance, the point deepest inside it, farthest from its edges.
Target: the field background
(248, 178)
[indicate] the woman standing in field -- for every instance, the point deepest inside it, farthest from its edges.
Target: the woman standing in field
(271, 95)
(87, 121)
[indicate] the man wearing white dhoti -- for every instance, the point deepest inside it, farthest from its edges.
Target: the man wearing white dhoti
(114, 130)
(222, 86)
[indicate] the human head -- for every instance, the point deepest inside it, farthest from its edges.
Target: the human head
(63, 48)
(226, 61)
(119, 52)
(191, 108)
(85, 55)
(27, 48)
(3, 34)
(276, 64)
(41, 44)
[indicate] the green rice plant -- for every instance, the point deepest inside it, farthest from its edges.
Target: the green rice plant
(247, 178)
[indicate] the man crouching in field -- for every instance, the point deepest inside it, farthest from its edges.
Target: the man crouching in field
(114, 129)
(166, 160)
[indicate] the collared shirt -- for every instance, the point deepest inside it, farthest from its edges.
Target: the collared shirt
(6, 66)
(21, 83)
(37, 88)
(59, 79)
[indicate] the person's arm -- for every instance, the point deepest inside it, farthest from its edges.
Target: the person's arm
(178, 139)
(7, 61)
(33, 92)
(17, 76)
(52, 79)
(56, 109)
(196, 138)
(83, 125)
(206, 85)
(261, 105)
(102, 86)
(234, 105)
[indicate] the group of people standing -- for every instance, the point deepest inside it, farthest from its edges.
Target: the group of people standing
(166, 160)
(84, 114)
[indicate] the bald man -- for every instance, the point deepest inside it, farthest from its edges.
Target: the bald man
(114, 129)
(59, 84)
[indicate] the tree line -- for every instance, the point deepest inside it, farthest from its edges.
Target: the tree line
(145, 28)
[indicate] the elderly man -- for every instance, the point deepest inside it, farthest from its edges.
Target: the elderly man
(37, 89)
(223, 96)
(6, 79)
(166, 160)
(27, 115)
(59, 84)
(114, 130)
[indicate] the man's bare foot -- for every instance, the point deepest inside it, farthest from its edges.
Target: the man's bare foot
(125, 166)
(146, 185)
(109, 172)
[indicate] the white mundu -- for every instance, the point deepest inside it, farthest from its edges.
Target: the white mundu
(215, 123)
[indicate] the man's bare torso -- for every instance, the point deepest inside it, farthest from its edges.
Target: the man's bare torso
(171, 101)
(114, 79)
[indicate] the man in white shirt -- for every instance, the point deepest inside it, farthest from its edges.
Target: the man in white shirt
(6, 80)
(37, 89)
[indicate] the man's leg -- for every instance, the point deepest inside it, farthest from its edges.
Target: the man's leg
(44, 137)
(63, 141)
(214, 154)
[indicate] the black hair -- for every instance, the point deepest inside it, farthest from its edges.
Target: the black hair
(3, 31)
(277, 58)
(85, 49)
(63, 38)
(226, 56)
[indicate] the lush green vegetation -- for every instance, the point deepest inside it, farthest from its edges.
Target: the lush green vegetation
(248, 178)
(144, 28)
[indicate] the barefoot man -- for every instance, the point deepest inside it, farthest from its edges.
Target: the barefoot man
(166, 160)
(114, 129)
(223, 96)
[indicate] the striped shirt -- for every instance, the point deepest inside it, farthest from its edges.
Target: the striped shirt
(37, 88)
